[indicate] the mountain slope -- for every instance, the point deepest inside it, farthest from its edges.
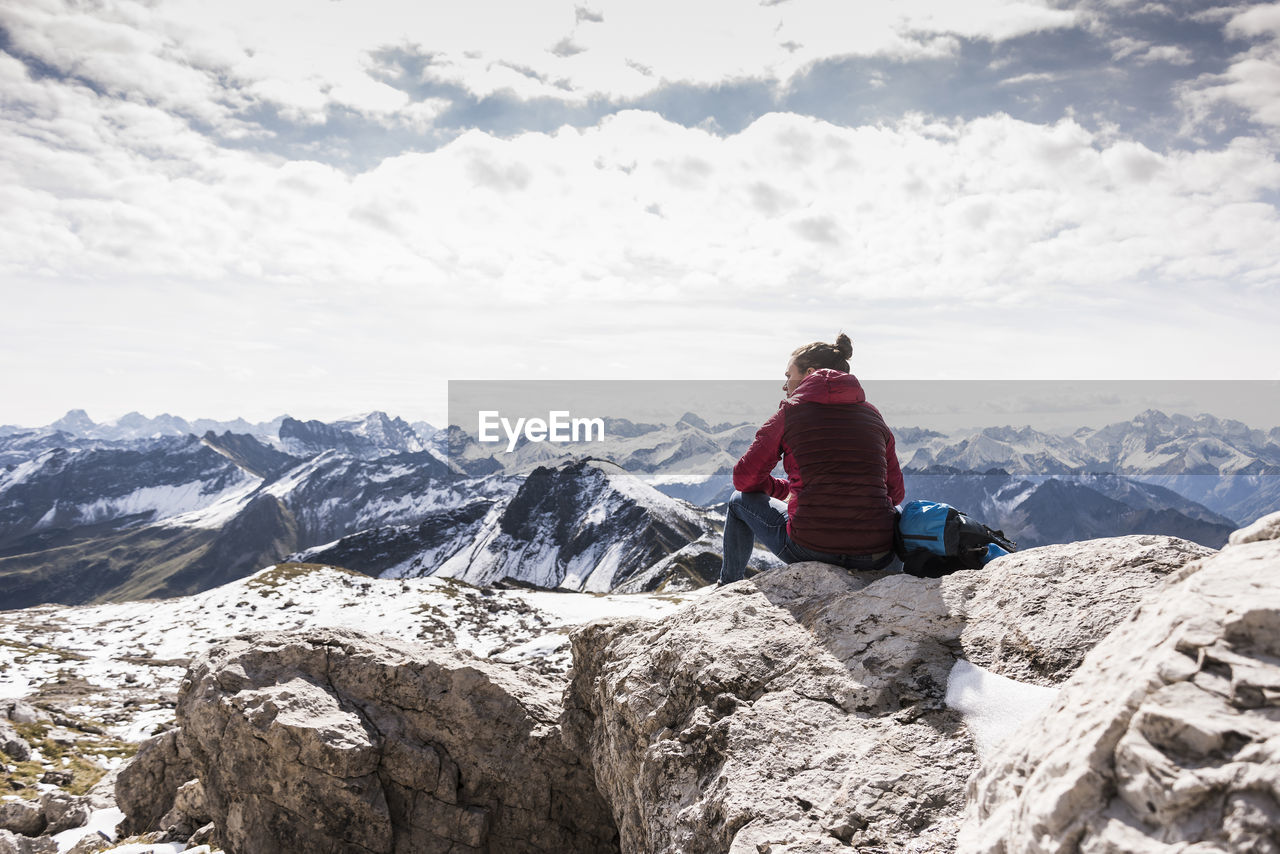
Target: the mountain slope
(375, 434)
(64, 488)
(583, 526)
(249, 454)
(405, 551)
(1037, 511)
(122, 565)
(1060, 511)
(179, 515)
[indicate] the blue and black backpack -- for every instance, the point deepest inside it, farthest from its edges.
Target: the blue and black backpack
(934, 539)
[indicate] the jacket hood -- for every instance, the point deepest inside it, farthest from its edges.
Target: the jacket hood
(827, 386)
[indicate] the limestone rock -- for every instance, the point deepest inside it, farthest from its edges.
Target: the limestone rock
(91, 843)
(1266, 528)
(204, 835)
(103, 794)
(189, 812)
(1167, 738)
(803, 709)
(53, 813)
(13, 745)
(12, 843)
(22, 817)
(1034, 614)
(145, 788)
(335, 741)
(20, 712)
(63, 811)
(800, 710)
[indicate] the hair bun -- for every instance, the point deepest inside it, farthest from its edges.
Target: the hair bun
(844, 346)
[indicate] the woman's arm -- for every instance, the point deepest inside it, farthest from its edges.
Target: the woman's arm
(752, 472)
(893, 478)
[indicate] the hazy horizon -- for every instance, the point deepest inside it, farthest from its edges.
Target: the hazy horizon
(948, 406)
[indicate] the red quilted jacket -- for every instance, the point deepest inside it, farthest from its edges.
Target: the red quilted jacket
(842, 470)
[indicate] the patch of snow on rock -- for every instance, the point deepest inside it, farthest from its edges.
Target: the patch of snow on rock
(993, 706)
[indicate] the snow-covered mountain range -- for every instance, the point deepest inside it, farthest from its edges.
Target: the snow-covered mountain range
(586, 526)
(377, 427)
(139, 508)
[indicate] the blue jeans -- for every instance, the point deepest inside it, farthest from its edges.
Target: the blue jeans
(751, 516)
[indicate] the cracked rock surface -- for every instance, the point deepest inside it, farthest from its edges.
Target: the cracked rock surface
(13, 843)
(146, 787)
(335, 741)
(801, 709)
(1033, 615)
(1167, 739)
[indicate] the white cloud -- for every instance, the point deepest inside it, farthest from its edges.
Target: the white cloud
(1252, 81)
(1262, 20)
(1125, 46)
(1219, 14)
(1005, 210)
(1031, 77)
(1144, 53)
(143, 257)
(629, 48)
(1172, 54)
(210, 61)
(117, 47)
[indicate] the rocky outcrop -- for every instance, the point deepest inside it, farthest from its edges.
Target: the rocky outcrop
(1266, 528)
(63, 811)
(53, 813)
(800, 711)
(146, 787)
(12, 843)
(333, 741)
(1166, 739)
(12, 745)
(1033, 615)
(805, 707)
(19, 711)
(802, 708)
(102, 795)
(165, 802)
(22, 817)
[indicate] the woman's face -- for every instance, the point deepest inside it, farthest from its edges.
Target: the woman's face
(794, 377)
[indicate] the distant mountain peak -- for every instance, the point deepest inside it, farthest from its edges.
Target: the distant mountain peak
(373, 434)
(693, 420)
(1151, 417)
(76, 422)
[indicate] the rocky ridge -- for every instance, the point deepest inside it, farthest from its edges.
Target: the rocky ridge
(1168, 739)
(359, 743)
(804, 710)
(99, 680)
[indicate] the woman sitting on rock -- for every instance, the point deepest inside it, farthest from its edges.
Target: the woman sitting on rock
(843, 478)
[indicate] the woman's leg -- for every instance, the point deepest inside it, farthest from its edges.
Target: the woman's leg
(750, 516)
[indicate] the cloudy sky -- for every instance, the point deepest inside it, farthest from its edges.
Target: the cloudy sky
(252, 207)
